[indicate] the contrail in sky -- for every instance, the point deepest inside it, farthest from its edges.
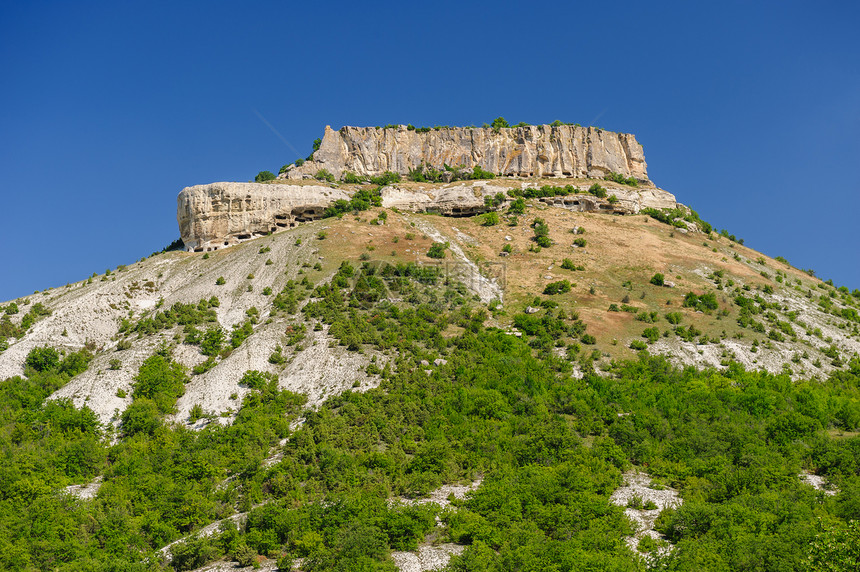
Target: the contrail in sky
(599, 115)
(275, 131)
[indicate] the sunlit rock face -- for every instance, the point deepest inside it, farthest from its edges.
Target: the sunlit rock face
(529, 151)
(222, 214)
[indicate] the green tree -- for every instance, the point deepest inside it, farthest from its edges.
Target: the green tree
(836, 548)
(264, 176)
(42, 359)
(437, 250)
(499, 123)
(161, 380)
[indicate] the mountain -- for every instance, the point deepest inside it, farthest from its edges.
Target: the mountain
(323, 362)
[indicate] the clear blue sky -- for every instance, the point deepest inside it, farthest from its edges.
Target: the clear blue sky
(748, 111)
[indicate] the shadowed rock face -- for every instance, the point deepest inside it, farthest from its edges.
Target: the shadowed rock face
(531, 151)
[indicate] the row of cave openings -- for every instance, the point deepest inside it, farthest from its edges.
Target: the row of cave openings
(282, 221)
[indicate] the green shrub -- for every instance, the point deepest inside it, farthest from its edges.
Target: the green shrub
(705, 302)
(543, 241)
(220, 281)
(386, 178)
(568, 264)
(638, 345)
(264, 176)
(597, 191)
(204, 366)
(196, 413)
(351, 178)
(619, 178)
(657, 279)
(560, 287)
(490, 219)
(324, 175)
(674, 318)
(507, 248)
(651, 334)
(580, 242)
(518, 206)
(588, 339)
(498, 124)
(258, 379)
(479, 173)
(42, 359)
(161, 380)
(141, 416)
(437, 250)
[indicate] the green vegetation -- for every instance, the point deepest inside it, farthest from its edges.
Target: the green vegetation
(324, 175)
(386, 178)
(425, 173)
(360, 201)
(676, 217)
(352, 178)
(550, 447)
(568, 264)
(517, 207)
(560, 287)
(618, 178)
(498, 124)
(551, 191)
(437, 250)
(597, 191)
(264, 176)
(541, 230)
(703, 302)
(490, 219)
(657, 279)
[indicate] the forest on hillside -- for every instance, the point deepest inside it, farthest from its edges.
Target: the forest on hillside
(550, 447)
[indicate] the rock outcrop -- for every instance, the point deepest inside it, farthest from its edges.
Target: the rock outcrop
(222, 214)
(529, 151)
(630, 201)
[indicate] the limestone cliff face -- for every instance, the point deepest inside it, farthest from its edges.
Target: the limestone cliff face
(217, 215)
(221, 214)
(531, 151)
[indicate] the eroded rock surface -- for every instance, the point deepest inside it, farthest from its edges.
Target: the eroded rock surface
(222, 214)
(217, 215)
(529, 151)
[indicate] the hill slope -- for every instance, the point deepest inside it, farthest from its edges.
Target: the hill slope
(310, 384)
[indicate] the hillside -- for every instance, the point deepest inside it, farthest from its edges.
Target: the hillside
(799, 323)
(311, 391)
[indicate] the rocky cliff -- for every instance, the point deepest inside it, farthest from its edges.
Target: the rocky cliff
(217, 215)
(529, 151)
(222, 214)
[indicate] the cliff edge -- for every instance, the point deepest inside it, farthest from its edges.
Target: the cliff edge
(527, 151)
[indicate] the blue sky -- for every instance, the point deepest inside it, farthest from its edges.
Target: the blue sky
(749, 112)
